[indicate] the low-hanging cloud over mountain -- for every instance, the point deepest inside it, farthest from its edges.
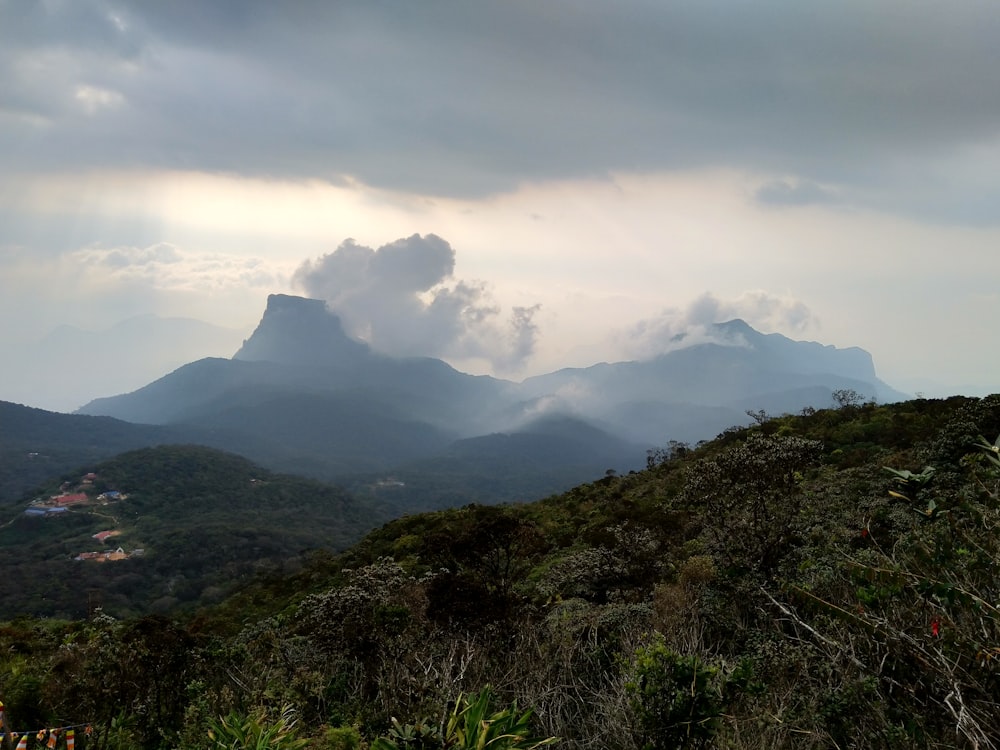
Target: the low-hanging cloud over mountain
(404, 299)
(676, 328)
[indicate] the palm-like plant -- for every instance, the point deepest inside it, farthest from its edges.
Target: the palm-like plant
(471, 725)
(256, 732)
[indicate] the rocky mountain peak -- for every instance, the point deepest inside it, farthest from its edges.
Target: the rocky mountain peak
(300, 331)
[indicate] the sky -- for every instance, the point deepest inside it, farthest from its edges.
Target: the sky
(512, 186)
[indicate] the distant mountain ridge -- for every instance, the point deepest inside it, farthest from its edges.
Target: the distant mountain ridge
(300, 389)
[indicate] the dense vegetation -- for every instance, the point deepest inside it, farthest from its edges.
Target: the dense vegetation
(826, 580)
(206, 522)
(349, 441)
(36, 445)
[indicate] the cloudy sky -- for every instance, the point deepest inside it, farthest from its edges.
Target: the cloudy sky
(512, 185)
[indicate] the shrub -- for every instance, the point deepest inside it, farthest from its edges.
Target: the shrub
(676, 699)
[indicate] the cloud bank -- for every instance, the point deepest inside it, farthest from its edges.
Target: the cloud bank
(886, 101)
(404, 300)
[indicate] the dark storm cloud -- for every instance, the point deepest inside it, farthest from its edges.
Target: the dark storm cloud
(472, 98)
(404, 300)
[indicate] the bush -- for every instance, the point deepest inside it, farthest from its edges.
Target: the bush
(676, 699)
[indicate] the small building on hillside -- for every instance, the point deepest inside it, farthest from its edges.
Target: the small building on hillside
(64, 500)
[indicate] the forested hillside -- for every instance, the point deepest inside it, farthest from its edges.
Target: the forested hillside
(826, 580)
(162, 530)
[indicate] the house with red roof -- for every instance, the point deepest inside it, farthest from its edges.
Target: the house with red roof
(64, 500)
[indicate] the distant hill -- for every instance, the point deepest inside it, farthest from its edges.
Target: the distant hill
(692, 393)
(542, 458)
(37, 445)
(205, 521)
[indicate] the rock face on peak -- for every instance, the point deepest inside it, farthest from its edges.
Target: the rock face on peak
(300, 331)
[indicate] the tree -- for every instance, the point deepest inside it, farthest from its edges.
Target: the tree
(847, 397)
(752, 494)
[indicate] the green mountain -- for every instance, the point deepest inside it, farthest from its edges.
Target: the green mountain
(192, 524)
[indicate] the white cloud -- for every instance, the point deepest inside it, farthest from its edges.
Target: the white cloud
(404, 299)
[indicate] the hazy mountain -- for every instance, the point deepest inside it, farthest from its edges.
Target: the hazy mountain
(299, 347)
(546, 456)
(693, 392)
(302, 332)
(70, 366)
(300, 395)
(37, 445)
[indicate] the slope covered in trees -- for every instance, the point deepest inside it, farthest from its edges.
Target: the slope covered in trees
(825, 580)
(195, 524)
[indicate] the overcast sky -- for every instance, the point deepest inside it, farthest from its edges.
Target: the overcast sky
(514, 186)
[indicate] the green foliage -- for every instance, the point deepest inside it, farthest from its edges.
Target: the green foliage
(206, 520)
(796, 604)
(992, 450)
(256, 732)
(751, 495)
(677, 699)
(472, 724)
(911, 484)
(341, 738)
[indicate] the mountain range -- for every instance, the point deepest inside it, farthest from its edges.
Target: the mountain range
(300, 395)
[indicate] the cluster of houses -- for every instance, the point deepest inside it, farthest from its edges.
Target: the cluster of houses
(109, 555)
(70, 496)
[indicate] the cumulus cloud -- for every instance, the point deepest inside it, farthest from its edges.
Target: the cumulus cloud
(404, 299)
(676, 328)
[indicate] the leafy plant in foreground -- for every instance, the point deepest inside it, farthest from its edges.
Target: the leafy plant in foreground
(676, 698)
(471, 725)
(256, 732)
